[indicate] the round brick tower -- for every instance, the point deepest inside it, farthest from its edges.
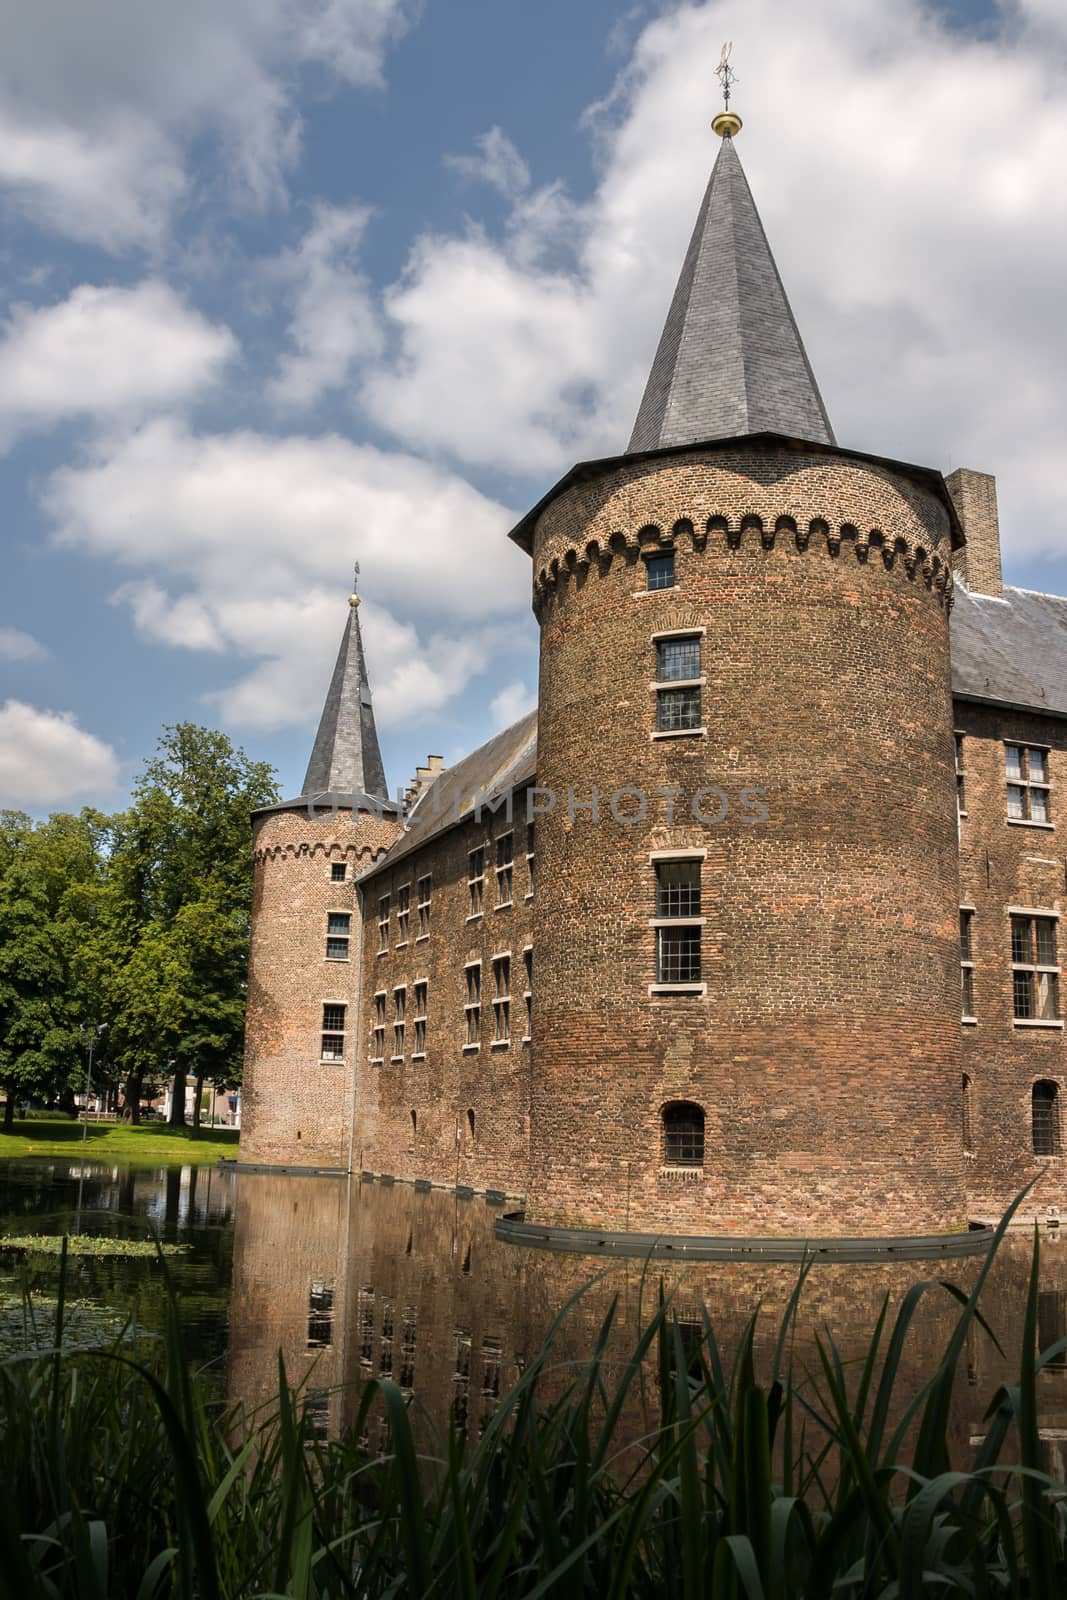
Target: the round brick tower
(303, 974)
(747, 1004)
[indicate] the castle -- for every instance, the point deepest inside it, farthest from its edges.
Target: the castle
(753, 927)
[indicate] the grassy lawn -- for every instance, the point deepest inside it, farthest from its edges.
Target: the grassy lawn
(117, 1142)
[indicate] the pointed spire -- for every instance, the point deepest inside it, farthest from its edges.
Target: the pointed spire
(730, 359)
(346, 758)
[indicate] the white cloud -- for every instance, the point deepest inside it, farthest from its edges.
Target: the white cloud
(18, 646)
(244, 542)
(101, 102)
(513, 701)
(498, 163)
(923, 255)
(335, 322)
(47, 760)
(106, 352)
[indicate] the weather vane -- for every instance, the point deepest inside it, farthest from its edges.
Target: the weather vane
(725, 74)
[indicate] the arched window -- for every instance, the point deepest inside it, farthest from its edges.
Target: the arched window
(470, 1128)
(683, 1135)
(414, 1128)
(968, 1114)
(1045, 1118)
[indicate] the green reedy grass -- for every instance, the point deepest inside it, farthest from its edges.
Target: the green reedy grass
(120, 1478)
(150, 1144)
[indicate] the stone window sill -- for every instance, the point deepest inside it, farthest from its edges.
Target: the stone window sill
(341, 960)
(970, 1022)
(331, 1061)
(401, 944)
(642, 594)
(504, 905)
(679, 733)
(499, 1044)
(528, 896)
(469, 1049)
(421, 938)
(394, 1059)
(525, 1039)
(682, 1174)
(1036, 1022)
(1025, 822)
(677, 988)
(418, 1055)
(475, 916)
(677, 922)
(376, 1061)
(679, 683)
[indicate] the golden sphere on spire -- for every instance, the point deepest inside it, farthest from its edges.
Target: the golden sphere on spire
(726, 124)
(353, 601)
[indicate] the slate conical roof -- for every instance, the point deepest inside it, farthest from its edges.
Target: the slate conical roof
(346, 758)
(730, 359)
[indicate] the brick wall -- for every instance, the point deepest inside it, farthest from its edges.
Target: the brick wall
(1005, 864)
(450, 1082)
(296, 1108)
(826, 1050)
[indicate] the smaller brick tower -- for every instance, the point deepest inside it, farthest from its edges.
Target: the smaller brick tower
(303, 973)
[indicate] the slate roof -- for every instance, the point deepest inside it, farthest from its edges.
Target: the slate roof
(1012, 651)
(505, 761)
(730, 360)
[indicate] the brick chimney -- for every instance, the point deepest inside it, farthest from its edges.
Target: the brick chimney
(978, 563)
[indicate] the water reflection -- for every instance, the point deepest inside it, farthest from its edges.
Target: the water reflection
(368, 1280)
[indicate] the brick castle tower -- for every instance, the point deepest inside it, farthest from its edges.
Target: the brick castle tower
(307, 852)
(747, 1001)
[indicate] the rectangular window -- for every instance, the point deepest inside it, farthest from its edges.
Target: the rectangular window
(961, 793)
(678, 940)
(377, 1038)
(320, 1316)
(530, 845)
(677, 710)
(338, 872)
(527, 957)
(423, 899)
(678, 889)
(1028, 783)
(678, 660)
(967, 962)
(400, 1006)
(503, 870)
(403, 913)
(421, 997)
(476, 881)
(473, 1007)
(383, 923)
(659, 570)
(333, 1032)
(338, 933)
(1035, 971)
(501, 999)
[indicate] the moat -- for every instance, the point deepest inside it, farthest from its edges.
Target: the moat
(362, 1280)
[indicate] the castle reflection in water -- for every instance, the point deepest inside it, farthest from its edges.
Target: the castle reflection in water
(357, 1280)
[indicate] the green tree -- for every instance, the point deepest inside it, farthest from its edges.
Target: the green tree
(179, 920)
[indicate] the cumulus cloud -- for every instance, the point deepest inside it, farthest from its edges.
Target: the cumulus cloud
(498, 163)
(15, 645)
(335, 322)
(101, 102)
(106, 352)
(513, 701)
(245, 543)
(909, 248)
(47, 760)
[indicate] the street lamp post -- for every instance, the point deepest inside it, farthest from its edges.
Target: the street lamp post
(95, 1034)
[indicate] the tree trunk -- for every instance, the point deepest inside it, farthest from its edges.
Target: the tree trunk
(177, 1101)
(133, 1099)
(9, 1110)
(199, 1097)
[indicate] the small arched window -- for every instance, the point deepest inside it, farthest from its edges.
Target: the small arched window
(414, 1128)
(1045, 1118)
(683, 1135)
(470, 1128)
(968, 1114)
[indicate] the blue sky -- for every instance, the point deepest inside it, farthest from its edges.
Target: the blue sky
(290, 283)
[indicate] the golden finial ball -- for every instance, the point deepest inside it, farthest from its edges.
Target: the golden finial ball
(726, 124)
(353, 601)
